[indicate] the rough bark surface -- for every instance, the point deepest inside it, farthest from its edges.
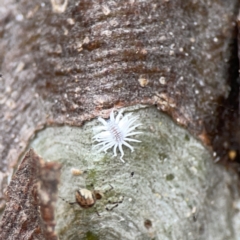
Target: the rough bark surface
(65, 63)
(70, 64)
(47, 195)
(33, 186)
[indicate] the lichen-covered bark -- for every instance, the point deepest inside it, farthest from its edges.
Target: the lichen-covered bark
(168, 187)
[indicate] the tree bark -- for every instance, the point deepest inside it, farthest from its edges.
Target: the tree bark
(169, 186)
(68, 62)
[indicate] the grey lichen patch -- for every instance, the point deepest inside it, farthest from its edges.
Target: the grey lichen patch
(169, 179)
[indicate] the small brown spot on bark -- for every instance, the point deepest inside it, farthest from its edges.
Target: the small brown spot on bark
(148, 223)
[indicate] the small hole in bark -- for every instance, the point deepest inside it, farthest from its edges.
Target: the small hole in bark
(147, 223)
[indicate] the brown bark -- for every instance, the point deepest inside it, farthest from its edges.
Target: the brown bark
(31, 195)
(74, 65)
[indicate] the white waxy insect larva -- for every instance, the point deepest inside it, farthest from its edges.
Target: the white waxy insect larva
(115, 132)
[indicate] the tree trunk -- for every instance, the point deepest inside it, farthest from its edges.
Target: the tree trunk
(67, 62)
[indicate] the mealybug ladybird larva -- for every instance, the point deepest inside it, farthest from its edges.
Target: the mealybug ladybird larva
(115, 133)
